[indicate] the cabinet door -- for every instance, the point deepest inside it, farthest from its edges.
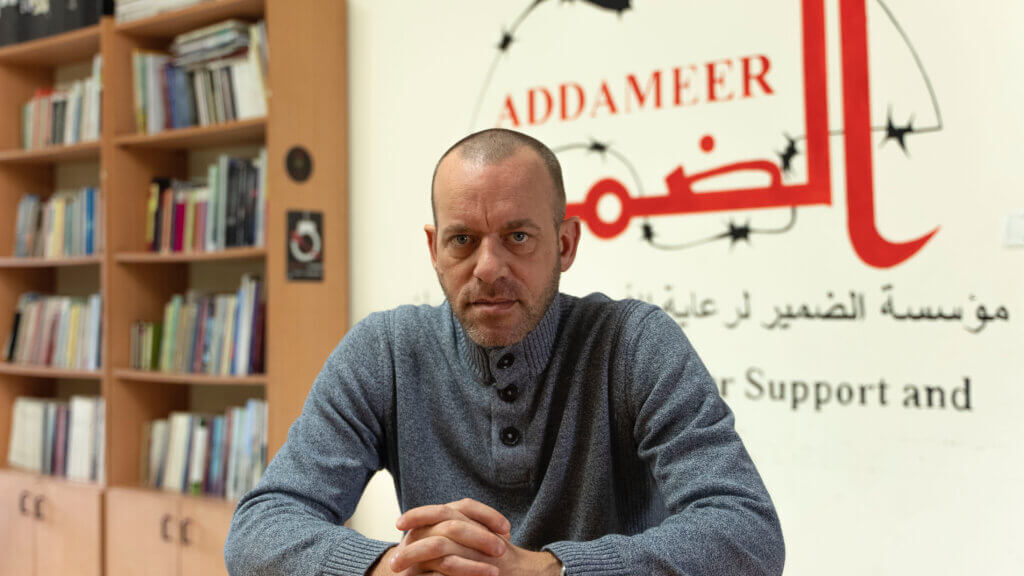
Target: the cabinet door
(141, 536)
(203, 531)
(68, 527)
(16, 542)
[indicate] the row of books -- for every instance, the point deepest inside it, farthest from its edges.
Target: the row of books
(56, 331)
(21, 20)
(226, 210)
(68, 115)
(128, 10)
(219, 334)
(65, 225)
(59, 438)
(214, 74)
(216, 455)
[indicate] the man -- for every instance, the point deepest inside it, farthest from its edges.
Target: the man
(528, 432)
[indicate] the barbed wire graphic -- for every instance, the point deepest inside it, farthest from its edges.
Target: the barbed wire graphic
(733, 232)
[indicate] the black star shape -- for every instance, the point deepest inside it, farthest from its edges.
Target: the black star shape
(506, 41)
(648, 232)
(787, 155)
(598, 146)
(737, 233)
(898, 133)
(618, 6)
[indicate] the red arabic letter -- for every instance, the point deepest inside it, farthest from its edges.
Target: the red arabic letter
(870, 246)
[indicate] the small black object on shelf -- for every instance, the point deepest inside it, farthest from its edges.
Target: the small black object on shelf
(63, 16)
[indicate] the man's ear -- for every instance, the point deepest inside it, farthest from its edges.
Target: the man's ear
(568, 241)
(431, 232)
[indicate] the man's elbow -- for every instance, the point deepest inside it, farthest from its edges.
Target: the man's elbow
(242, 550)
(234, 556)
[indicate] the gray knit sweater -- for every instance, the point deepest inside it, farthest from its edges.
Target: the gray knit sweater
(600, 436)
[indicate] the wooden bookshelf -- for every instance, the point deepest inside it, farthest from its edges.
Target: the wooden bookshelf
(304, 320)
(250, 253)
(52, 154)
(32, 371)
(52, 51)
(173, 23)
(225, 134)
(51, 262)
(186, 378)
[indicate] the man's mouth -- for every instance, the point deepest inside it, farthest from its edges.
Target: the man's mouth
(493, 305)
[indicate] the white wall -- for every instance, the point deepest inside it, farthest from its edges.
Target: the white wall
(880, 489)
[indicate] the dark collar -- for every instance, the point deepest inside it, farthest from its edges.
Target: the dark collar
(524, 359)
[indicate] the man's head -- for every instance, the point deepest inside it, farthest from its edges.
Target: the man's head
(500, 239)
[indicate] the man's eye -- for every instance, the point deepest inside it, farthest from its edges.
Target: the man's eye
(460, 239)
(520, 237)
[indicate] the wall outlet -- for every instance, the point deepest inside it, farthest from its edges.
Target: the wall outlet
(1014, 230)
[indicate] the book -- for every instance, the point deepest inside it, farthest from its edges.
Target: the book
(211, 75)
(176, 463)
(85, 438)
(226, 209)
(66, 115)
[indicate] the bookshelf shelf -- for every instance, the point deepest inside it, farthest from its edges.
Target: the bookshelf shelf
(28, 474)
(172, 23)
(51, 155)
(33, 371)
(185, 378)
(178, 257)
(66, 48)
(146, 490)
(9, 263)
(228, 133)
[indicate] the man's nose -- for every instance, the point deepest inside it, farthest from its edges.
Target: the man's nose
(491, 262)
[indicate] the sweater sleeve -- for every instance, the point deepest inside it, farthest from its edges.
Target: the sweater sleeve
(721, 519)
(292, 521)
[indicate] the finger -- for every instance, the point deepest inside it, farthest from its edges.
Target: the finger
(426, 516)
(434, 514)
(417, 571)
(429, 549)
(483, 514)
(465, 532)
(460, 566)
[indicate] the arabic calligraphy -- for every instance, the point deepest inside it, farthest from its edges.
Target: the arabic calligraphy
(851, 306)
(682, 199)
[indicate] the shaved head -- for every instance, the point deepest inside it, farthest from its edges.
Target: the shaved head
(495, 145)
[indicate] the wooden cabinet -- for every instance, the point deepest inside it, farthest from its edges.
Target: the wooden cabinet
(204, 529)
(16, 522)
(154, 534)
(69, 528)
(49, 527)
(139, 533)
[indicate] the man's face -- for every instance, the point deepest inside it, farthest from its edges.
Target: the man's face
(496, 249)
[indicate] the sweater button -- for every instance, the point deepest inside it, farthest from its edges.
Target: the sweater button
(506, 361)
(510, 436)
(509, 393)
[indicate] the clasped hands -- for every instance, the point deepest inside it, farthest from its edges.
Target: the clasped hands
(464, 538)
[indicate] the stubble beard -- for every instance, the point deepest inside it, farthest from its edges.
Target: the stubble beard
(533, 312)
